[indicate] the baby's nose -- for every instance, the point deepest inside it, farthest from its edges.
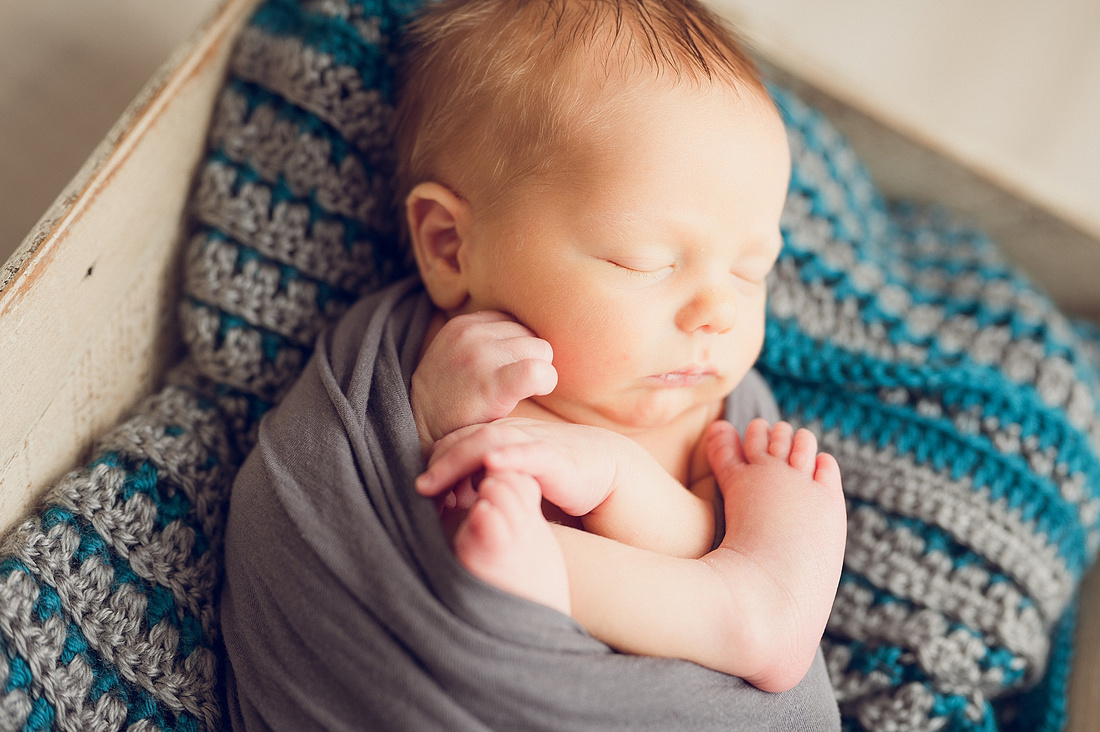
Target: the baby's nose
(712, 310)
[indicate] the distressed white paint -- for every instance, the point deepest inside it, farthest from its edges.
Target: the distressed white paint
(87, 303)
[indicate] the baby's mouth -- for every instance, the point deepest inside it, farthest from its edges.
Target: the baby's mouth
(687, 376)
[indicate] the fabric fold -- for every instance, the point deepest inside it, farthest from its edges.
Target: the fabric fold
(344, 608)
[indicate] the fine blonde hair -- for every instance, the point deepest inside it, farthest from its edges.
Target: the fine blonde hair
(494, 92)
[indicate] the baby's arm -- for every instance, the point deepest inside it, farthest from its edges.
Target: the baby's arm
(478, 368)
(756, 607)
(616, 488)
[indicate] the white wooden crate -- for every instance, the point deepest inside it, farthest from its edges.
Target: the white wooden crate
(87, 302)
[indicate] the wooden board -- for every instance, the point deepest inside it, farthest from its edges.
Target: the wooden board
(87, 302)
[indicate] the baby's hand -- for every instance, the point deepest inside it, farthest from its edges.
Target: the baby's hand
(608, 480)
(575, 465)
(477, 369)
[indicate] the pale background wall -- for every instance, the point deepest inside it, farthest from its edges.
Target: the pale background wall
(68, 68)
(1010, 86)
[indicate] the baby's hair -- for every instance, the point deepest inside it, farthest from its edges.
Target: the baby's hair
(494, 91)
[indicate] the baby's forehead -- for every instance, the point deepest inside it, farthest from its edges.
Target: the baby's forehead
(496, 89)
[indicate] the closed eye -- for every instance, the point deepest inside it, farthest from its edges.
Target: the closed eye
(657, 273)
(754, 275)
(755, 268)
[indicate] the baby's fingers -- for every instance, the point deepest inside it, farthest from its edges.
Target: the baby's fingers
(551, 468)
(461, 454)
(519, 380)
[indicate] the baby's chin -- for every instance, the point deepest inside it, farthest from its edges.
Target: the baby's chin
(648, 410)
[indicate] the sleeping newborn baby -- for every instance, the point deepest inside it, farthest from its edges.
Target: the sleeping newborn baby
(593, 193)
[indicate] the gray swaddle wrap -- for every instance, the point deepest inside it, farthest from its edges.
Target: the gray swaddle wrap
(344, 608)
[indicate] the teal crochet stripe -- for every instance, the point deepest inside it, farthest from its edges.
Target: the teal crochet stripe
(105, 675)
(948, 711)
(330, 35)
(273, 343)
(937, 443)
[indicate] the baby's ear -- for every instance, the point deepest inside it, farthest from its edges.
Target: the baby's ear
(438, 224)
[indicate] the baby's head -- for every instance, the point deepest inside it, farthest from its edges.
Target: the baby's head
(500, 93)
(609, 172)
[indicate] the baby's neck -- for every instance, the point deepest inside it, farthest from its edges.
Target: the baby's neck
(676, 446)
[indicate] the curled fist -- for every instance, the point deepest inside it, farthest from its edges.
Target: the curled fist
(477, 369)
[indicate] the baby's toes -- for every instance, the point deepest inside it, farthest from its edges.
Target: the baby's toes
(780, 439)
(484, 532)
(515, 498)
(757, 441)
(827, 471)
(803, 453)
(723, 447)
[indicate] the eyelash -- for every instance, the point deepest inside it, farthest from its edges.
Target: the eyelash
(653, 273)
(642, 273)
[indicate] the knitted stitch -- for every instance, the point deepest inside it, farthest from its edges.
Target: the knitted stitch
(960, 404)
(962, 408)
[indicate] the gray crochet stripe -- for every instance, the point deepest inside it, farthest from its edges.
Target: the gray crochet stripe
(245, 426)
(15, 705)
(1008, 438)
(190, 451)
(66, 688)
(950, 657)
(822, 314)
(276, 148)
(235, 414)
(878, 703)
(255, 291)
(312, 79)
(143, 725)
(829, 189)
(368, 26)
(238, 358)
(285, 233)
(111, 622)
(181, 456)
(896, 560)
(991, 529)
(909, 708)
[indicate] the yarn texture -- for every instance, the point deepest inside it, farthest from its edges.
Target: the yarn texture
(961, 405)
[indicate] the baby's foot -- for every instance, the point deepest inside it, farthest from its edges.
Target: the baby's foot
(784, 511)
(505, 541)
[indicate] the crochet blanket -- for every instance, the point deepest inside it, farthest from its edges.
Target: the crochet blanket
(343, 607)
(961, 404)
